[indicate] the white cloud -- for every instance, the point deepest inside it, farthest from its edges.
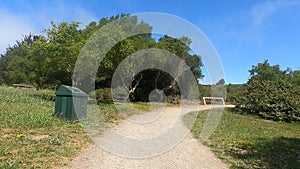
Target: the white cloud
(262, 11)
(12, 28)
(13, 25)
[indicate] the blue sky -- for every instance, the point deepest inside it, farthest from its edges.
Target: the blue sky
(244, 32)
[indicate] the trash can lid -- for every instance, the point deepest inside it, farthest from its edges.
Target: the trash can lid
(64, 90)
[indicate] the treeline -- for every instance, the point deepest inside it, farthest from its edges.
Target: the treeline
(46, 61)
(231, 91)
(271, 93)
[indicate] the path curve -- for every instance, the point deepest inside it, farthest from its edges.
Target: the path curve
(189, 153)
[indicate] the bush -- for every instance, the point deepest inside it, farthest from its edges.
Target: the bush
(271, 93)
(274, 100)
(173, 99)
(233, 92)
(92, 94)
(103, 95)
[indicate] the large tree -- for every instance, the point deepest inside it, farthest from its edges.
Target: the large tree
(64, 43)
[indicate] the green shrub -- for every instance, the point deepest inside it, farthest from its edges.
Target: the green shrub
(92, 94)
(271, 93)
(103, 95)
(233, 92)
(274, 100)
(173, 99)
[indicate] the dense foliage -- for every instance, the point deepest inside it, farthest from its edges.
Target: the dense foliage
(272, 93)
(49, 60)
(233, 92)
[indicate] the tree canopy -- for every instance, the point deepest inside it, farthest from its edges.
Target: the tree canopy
(49, 60)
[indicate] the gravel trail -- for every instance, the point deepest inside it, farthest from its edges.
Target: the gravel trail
(157, 139)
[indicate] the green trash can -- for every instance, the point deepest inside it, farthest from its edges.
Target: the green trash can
(70, 103)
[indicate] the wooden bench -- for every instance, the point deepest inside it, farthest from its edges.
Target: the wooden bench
(23, 86)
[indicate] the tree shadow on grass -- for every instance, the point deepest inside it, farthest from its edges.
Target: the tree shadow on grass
(278, 153)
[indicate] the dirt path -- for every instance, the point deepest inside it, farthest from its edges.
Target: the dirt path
(156, 139)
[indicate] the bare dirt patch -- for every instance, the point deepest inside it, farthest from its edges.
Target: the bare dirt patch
(38, 137)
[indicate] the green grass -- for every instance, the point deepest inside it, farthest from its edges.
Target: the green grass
(244, 141)
(31, 137)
